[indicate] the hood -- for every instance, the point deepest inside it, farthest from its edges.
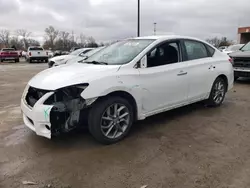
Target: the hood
(66, 75)
(64, 57)
(240, 54)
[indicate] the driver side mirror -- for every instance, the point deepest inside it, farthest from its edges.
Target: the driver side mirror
(143, 62)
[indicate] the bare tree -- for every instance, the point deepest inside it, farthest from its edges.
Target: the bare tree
(24, 34)
(64, 36)
(14, 42)
(82, 38)
(50, 35)
(33, 42)
(217, 42)
(5, 37)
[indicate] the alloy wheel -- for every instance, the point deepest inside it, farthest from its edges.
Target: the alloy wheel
(115, 120)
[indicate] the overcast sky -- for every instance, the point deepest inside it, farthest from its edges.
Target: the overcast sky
(108, 20)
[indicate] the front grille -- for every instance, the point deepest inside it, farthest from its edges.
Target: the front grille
(242, 62)
(34, 95)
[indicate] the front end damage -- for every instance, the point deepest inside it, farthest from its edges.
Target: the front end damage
(56, 111)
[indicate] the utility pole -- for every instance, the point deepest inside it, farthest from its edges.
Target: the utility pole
(138, 21)
(155, 28)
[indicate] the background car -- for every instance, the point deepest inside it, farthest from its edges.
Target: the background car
(232, 48)
(9, 54)
(84, 57)
(36, 53)
(241, 62)
(59, 60)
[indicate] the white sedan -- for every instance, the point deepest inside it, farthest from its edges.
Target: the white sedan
(127, 81)
(59, 60)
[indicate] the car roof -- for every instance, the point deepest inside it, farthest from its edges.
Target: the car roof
(166, 37)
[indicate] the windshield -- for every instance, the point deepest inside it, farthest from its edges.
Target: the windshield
(246, 47)
(92, 52)
(120, 52)
(36, 49)
(8, 49)
(77, 52)
(234, 47)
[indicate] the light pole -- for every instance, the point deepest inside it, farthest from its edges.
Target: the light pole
(138, 19)
(155, 28)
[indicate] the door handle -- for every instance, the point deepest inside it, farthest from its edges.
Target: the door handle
(181, 73)
(212, 67)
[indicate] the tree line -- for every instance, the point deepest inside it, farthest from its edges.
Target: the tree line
(53, 39)
(218, 42)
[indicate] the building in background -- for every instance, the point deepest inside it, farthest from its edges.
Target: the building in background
(243, 35)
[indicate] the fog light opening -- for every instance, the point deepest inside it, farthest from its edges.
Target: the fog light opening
(47, 127)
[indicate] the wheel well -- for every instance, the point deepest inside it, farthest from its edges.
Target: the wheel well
(128, 97)
(224, 78)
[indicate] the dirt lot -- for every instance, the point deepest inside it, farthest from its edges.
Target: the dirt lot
(193, 146)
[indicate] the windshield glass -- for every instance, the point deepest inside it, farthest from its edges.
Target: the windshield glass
(234, 47)
(92, 52)
(36, 49)
(120, 52)
(246, 47)
(76, 52)
(8, 49)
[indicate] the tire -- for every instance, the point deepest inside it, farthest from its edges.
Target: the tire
(215, 91)
(17, 60)
(30, 60)
(236, 78)
(46, 60)
(99, 127)
(1, 60)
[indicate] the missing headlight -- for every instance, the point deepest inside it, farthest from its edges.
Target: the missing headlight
(68, 104)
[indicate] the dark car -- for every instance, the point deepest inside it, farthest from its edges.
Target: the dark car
(9, 54)
(241, 62)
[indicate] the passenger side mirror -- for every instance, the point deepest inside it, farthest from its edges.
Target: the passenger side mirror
(143, 62)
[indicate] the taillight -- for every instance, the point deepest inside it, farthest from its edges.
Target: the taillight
(29, 53)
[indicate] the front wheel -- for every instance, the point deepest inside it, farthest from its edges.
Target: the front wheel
(110, 119)
(218, 92)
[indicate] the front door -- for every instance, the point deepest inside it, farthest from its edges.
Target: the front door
(164, 82)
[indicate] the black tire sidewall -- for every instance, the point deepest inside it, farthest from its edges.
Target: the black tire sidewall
(96, 112)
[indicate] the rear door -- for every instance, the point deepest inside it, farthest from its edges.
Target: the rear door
(201, 68)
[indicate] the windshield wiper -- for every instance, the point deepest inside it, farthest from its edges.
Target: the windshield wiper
(96, 62)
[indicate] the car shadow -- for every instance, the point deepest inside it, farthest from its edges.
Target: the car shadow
(243, 81)
(81, 138)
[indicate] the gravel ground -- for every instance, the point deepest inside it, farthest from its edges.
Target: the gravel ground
(193, 146)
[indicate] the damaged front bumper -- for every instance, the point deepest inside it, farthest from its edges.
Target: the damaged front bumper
(46, 116)
(37, 118)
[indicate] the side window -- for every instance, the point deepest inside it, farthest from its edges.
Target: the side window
(210, 50)
(164, 54)
(195, 50)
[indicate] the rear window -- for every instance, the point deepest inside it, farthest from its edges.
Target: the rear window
(210, 50)
(8, 49)
(36, 49)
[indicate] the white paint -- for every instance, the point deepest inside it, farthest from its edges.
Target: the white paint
(155, 89)
(60, 60)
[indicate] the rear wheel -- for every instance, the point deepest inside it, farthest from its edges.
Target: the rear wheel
(110, 119)
(16, 60)
(30, 60)
(217, 93)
